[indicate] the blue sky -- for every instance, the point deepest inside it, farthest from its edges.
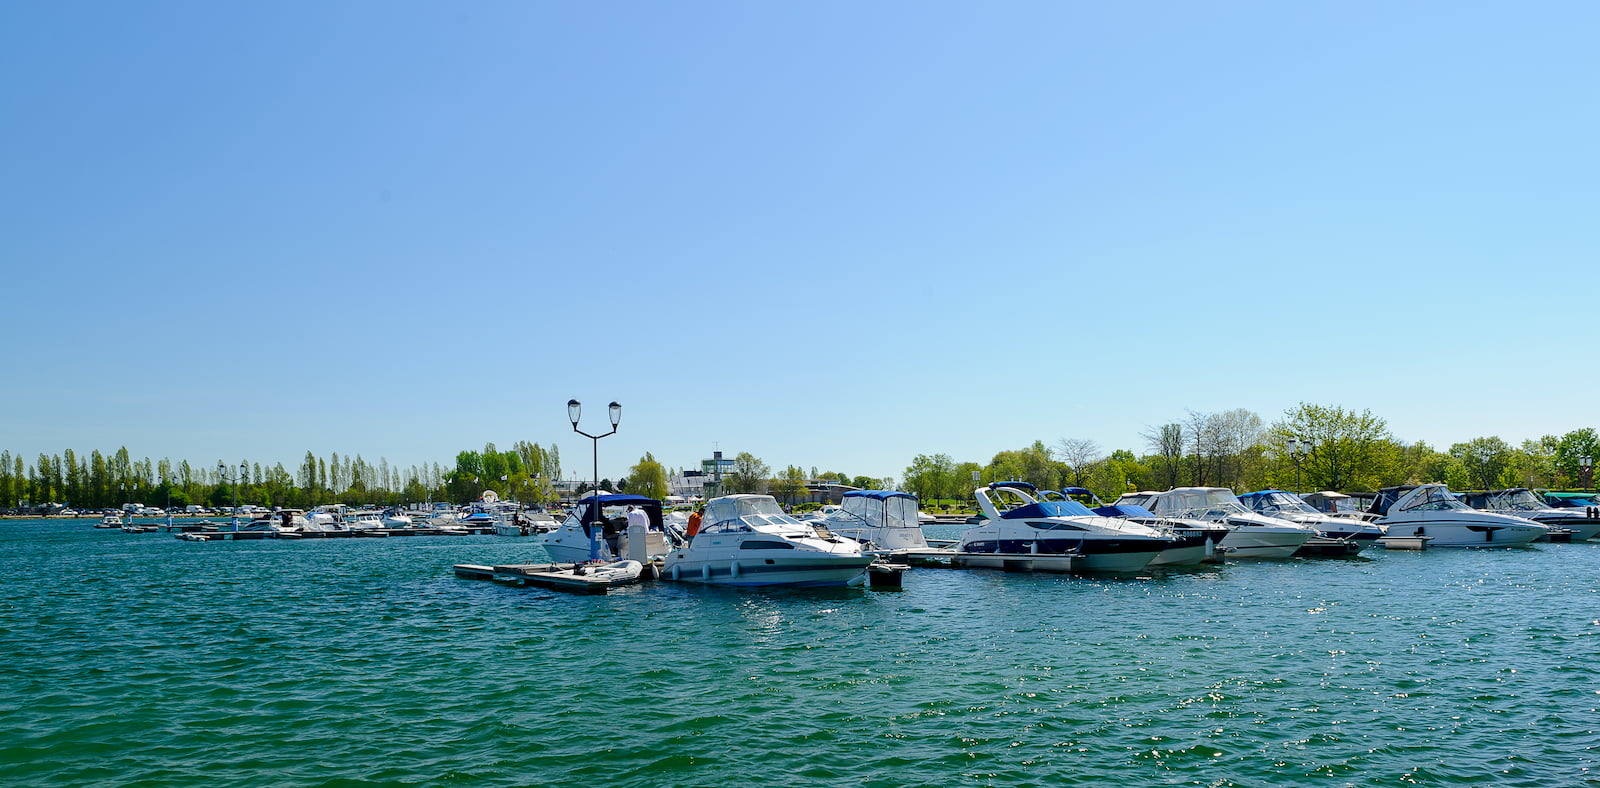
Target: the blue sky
(831, 234)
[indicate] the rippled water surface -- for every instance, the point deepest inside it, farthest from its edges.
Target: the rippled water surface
(143, 660)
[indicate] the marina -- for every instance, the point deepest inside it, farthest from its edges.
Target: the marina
(1300, 671)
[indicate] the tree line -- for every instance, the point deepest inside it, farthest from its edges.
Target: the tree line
(1311, 447)
(526, 472)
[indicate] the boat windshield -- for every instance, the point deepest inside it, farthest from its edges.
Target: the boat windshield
(1434, 499)
(1518, 501)
(735, 511)
(1136, 499)
(1200, 504)
(1283, 502)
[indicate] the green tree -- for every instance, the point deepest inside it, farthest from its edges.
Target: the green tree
(1033, 465)
(1484, 460)
(790, 484)
(1350, 451)
(648, 478)
(749, 475)
(931, 476)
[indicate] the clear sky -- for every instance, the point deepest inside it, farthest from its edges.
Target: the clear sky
(832, 234)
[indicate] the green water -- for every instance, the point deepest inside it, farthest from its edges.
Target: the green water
(143, 660)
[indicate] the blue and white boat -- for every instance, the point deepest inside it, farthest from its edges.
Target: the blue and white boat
(882, 520)
(1056, 536)
(747, 540)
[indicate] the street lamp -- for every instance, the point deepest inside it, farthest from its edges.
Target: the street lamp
(1298, 448)
(1586, 467)
(574, 412)
(244, 472)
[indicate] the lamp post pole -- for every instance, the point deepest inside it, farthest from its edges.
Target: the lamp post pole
(1586, 468)
(222, 473)
(1298, 447)
(574, 411)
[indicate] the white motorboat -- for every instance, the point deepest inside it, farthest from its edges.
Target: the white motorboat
(1250, 535)
(363, 520)
(1525, 503)
(598, 530)
(1019, 530)
(747, 540)
(395, 517)
(1194, 541)
(1355, 532)
(110, 521)
(881, 520)
(1431, 510)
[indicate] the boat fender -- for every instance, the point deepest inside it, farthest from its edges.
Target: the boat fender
(677, 572)
(733, 569)
(705, 572)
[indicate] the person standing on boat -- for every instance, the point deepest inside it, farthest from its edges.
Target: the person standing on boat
(694, 522)
(636, 516)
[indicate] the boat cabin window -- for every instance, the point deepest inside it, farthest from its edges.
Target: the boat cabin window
(1282, 502)
(1435, 499)
(1516, 500)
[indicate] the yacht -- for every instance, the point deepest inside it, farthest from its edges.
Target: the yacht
(395, 517)
(1194, 541)
(882, 520)
(1355, 532)
(1057, 536)
(597, 530)
(1431, 510)
(1584, 523)
(747, 540)
(1250, 535)
(363, 520)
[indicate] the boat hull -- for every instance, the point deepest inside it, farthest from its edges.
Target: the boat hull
(1256, 543)
(1468, 534)
(799, 571)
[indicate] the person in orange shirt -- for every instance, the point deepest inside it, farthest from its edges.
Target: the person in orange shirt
(694, 522)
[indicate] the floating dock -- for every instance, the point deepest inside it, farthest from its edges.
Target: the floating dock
(559, 577)
(1405, 542)
(1327, 547)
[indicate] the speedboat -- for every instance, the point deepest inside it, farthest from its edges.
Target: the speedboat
(110, 521)
(1194, 541)
(597, 530)
(1356, 533)
(1431, 510)
(1584, 523)
(747, 540)
(882, 520)
(395, 517)
(1059, 536)
(1251, 535)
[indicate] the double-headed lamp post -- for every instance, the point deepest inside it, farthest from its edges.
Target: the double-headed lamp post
(574, 412)
(244, 472)
(1586, 468)
(1298, 448)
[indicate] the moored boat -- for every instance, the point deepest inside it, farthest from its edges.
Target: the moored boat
(747, 540)
(1020, 531)
(1431, 510)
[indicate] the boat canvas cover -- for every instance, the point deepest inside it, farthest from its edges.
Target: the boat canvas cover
(1048, 509)
(880, 509)
(1124, 510)
(588, 514)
